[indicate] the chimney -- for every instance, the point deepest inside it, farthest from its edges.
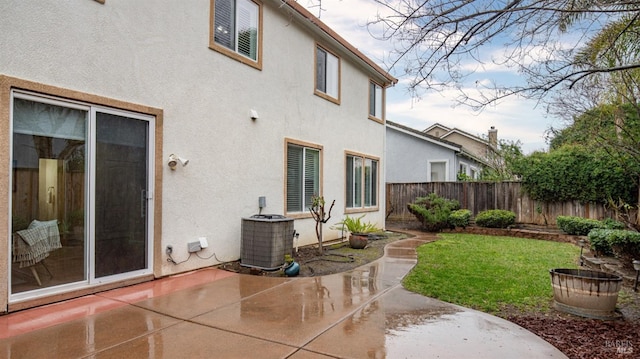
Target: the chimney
(493, 137)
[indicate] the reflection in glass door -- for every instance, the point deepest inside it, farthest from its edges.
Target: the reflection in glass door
(81, 194)
(48, 195)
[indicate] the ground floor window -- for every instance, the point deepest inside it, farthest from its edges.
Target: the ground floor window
(81, 185)
(474, 172)
(437, 171)
(361, 181)
(303, 165)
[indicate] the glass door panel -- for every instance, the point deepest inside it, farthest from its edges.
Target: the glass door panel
(48, 243)
(121, 244)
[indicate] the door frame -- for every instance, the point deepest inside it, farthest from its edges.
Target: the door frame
(7, 85)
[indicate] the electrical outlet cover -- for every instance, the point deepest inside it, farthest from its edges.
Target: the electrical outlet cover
(203, 242)
(194, 247)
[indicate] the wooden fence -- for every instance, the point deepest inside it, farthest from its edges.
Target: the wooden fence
(480, 196)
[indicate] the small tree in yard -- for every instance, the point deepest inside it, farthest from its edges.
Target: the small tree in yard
(320, 216)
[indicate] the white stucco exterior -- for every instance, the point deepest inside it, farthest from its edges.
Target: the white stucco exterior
(156, 54)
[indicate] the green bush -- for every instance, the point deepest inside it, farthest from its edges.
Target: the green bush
(625, 245)
(460, 218)
(433, 211)
(577, 225)
(582, 226)
(599, 239)
(611, 223)
(576, 172)
(496, 218)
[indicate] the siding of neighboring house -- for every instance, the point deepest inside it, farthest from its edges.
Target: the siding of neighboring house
(153, 58)
(409, 154)
(436, 130)
(477, 147)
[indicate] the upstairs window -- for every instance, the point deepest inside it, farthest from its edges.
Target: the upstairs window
(361, 182)
(375, 101)
(235, 30)
(327, 75)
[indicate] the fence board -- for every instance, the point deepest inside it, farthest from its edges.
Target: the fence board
(481, 196)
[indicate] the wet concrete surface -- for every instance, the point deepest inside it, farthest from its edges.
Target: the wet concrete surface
(363, 313)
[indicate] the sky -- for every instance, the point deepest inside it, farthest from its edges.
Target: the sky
(515, 119)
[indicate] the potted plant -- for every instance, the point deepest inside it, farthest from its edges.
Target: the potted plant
(291, 267)
(358, 229)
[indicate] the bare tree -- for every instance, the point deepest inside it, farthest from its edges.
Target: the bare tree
(442, 43)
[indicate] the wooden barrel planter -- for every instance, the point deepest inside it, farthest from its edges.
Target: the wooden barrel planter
(586, 293)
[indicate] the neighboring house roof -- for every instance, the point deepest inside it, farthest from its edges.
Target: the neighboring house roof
(318, 26)
(471, 156)
(460, 151)
(437, 125)
(424, 136)
(466, 134)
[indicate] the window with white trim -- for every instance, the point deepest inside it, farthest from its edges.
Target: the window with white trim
(375, 100)
(303, 176)
(236, 28)
(361, 181)
(327, 74)
(462, 168)
(437, 171)
(475, 173)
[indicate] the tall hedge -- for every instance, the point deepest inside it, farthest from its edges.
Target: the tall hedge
(574, 172)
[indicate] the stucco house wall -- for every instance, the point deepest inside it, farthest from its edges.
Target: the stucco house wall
(155, 55)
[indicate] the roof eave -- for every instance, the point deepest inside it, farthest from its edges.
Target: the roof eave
(320, 28)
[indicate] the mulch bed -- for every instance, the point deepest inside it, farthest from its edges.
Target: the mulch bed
(580, 338)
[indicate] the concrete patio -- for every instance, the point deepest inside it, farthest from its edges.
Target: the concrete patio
(211, 313)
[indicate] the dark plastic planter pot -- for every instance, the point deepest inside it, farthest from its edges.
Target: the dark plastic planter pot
(358, 240)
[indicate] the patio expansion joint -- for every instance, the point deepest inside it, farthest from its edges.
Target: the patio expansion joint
(146, 334)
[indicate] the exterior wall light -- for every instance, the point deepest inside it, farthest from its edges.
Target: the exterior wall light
(174, 159)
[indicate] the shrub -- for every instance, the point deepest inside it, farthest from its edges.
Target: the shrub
(611, 223)
(496, 218)
(577, 172)
(599, 239)
(460, 218)
(356, 225)
(433, 211)
(582, 226)
(625, 245)
(577, 225)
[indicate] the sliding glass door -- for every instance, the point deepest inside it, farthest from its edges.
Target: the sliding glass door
(121, 195)
(81, 195)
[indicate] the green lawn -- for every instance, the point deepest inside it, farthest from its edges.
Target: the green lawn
(490, 273)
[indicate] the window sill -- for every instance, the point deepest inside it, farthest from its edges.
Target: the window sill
(298, 215)
(361, 210)
(375, 119)
(327, 97)
(236, 56)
